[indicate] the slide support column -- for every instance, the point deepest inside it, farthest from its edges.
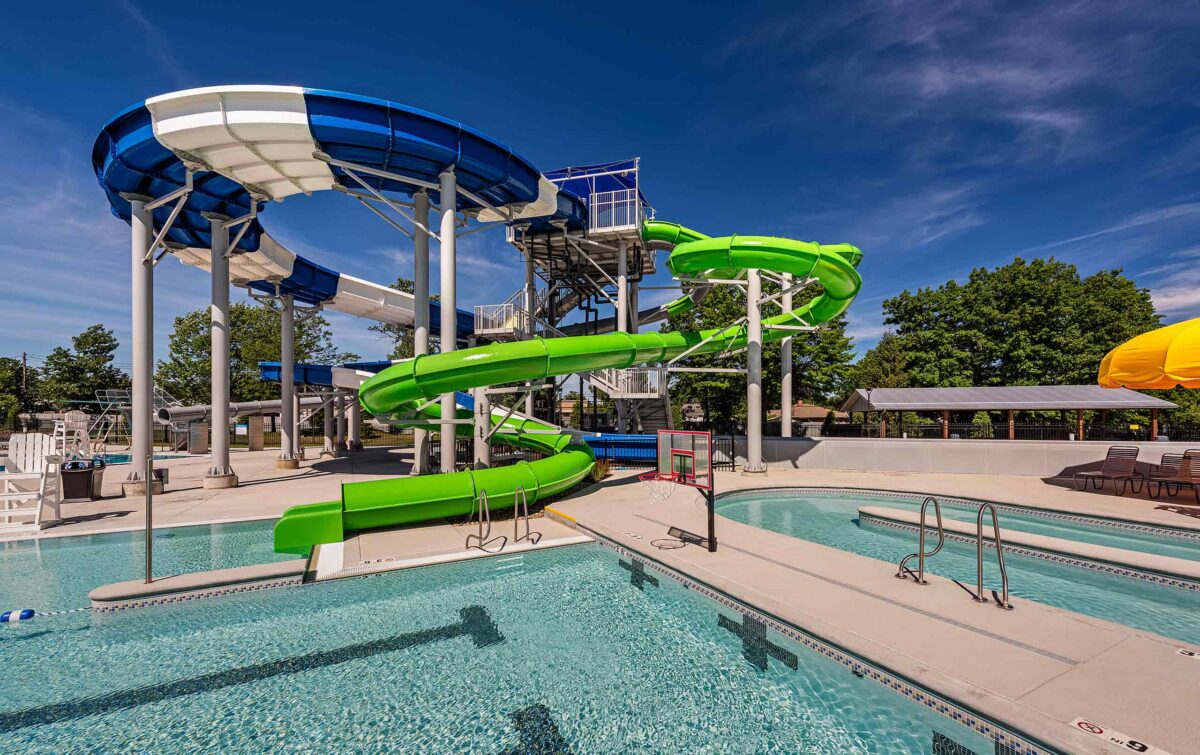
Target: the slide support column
(530, 310)
(785, 377)
(141, 224)
(754, 458)
(622, 319)
(339, 420)
(420, 316)
(329, 447)
(483, 424)
(220, 474)
(354, 420)
(287, 384)
(447, 203)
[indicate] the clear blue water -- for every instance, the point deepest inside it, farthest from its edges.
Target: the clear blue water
(53, 574)
(1040, 525)
(832, 519)
(126, 458)
(555, 651)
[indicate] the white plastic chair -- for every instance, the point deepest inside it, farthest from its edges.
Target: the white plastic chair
(30, 485)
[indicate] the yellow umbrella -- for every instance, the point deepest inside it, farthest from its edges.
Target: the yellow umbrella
(1162, 358)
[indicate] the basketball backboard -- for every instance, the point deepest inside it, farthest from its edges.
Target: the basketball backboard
(686, 455)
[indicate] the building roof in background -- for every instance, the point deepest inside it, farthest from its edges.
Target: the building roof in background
(1020, 397)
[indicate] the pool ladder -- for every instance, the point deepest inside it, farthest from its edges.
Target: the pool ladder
(904, 572)
(521, 513)
(483, 539)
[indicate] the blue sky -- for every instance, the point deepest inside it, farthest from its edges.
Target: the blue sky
(936, 136)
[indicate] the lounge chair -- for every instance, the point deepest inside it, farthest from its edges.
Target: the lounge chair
(1187, 474)
(29, 484)
(1164, 473)
(1119, 465)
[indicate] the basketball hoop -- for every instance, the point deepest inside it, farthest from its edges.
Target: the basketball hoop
(659, 485)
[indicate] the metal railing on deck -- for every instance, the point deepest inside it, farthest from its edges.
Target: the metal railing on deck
(615, 209)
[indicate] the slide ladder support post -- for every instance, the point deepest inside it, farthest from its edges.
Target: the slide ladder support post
(785, 385)
(287, 384)
(483, 426)
(754, 456)
(420, 315)
(142, 301)
(220, 473)
(622, 320)
(447, 206)
(530, 314)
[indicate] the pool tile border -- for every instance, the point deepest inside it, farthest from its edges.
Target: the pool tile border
(1083, 563)
(184, 597)
(1003, 739)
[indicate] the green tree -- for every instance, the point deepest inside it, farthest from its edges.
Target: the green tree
(76, 373)
(883, 366)
(20, 384)
(1024, 323)
(253, 338)
(403, 336)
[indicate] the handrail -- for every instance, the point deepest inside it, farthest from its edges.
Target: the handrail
(1002, 599)
(484, 537)
(521, 511)
(921, 555)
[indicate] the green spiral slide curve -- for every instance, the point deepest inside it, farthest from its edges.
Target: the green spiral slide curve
(403, 388)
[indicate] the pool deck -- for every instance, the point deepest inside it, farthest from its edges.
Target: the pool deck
(1035, 669)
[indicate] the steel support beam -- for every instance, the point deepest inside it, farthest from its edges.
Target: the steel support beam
(353, 423)
(420, 317)
(483, 428)
(785, 377)
(447, 203)
(329, 447)
(530, 316)
(220, 473)
(622, 320)
(287, 384)
(142, 301)
(754, 458)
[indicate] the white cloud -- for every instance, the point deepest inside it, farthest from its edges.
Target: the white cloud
(1178, 293)
(1149, 217)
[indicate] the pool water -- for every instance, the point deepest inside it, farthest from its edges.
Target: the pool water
(55, 574)
(553, 651)
(832, 519)
(1098, 534)
(126, 458)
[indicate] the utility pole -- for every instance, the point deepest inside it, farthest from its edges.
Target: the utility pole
(24, 375)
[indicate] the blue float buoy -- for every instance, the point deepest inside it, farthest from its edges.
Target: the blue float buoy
(16, 615)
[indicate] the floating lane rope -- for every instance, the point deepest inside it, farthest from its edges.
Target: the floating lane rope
(18, 614)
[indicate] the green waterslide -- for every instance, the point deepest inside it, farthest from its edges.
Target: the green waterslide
(404, 387)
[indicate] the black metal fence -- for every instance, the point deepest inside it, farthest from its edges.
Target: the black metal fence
(642, 451)
(1039, 431)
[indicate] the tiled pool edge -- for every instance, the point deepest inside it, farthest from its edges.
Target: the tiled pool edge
(1006, 741)
(190, 595)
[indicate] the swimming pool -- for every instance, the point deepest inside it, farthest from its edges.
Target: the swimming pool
(831, 518)
(126, 458)
(56, 573)
(1161, 541)
(559, 650)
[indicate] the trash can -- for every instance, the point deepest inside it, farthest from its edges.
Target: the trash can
(98, 466)
(77, 480)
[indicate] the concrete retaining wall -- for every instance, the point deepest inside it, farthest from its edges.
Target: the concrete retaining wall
(1007, 457)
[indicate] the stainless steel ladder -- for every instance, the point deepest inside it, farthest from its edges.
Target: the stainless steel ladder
(904, 572)
(521, 513)
(483, 539)
(1002, 598)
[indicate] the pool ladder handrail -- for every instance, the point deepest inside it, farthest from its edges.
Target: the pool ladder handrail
(903, 572)
(483, 538)
(521, 512)
(1002, 598)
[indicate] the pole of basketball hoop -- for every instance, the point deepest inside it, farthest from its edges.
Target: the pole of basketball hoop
(712, 520)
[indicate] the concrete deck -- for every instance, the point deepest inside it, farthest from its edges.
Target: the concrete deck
(1034, 669)
(264, 492)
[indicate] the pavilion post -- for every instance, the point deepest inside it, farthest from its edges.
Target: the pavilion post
(287, 384)
(785, 377)
(1078, 424)
(447, 206)
(141, 223)
(946, 424)
(420, 315)
(1153, 424)
(1012, 425)
(220, 473)
(883, 424)
(754, 456)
